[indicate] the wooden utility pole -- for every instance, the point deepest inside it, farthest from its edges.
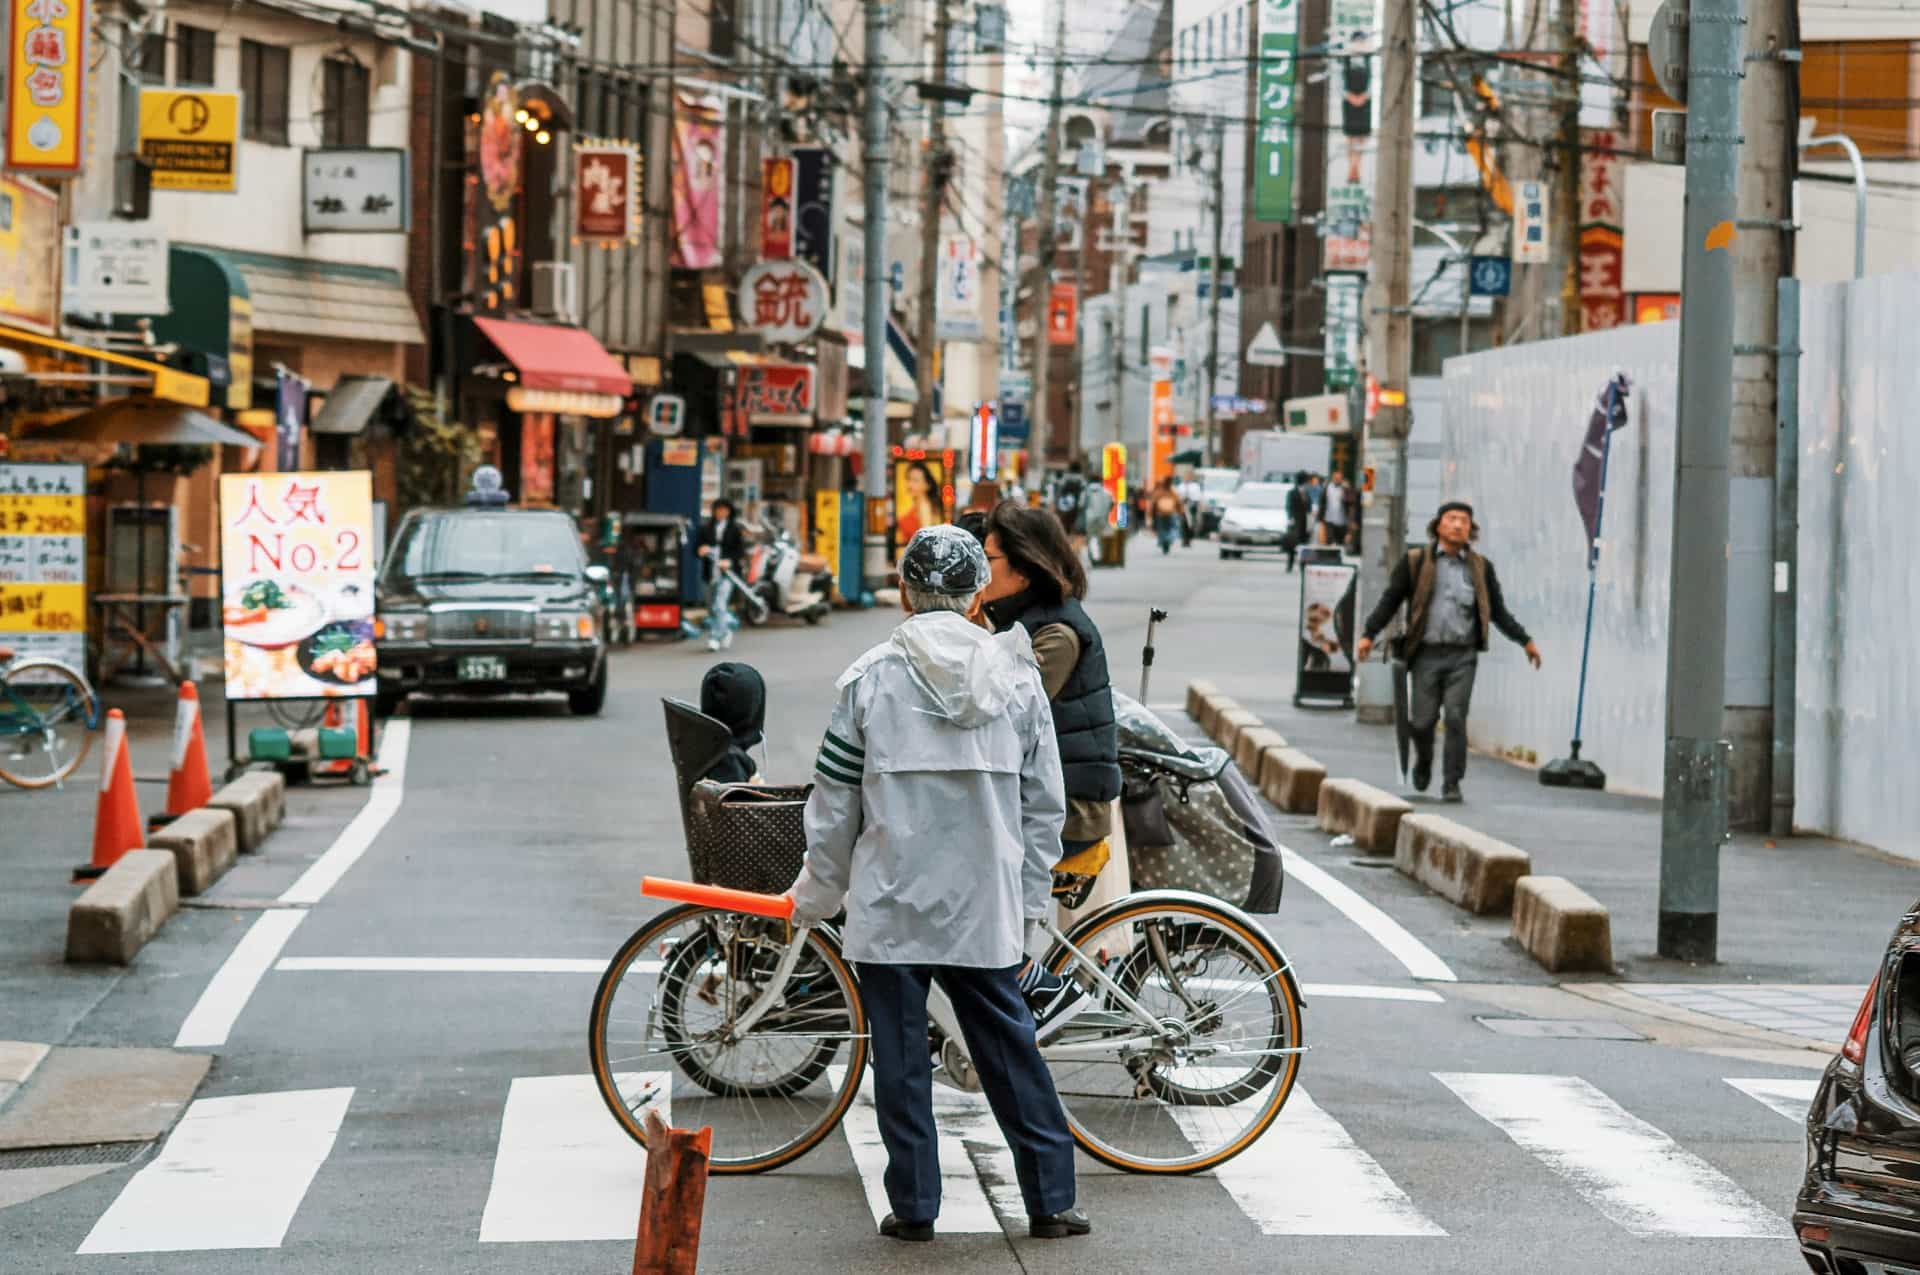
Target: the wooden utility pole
(938, 165)
(1049, 211)
(1565, 233)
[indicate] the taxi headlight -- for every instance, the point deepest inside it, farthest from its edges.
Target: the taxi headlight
(564, 626)
(400, 627)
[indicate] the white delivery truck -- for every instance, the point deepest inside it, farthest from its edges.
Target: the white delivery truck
(1274, 455)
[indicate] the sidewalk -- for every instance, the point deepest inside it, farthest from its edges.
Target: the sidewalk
(1809, 911)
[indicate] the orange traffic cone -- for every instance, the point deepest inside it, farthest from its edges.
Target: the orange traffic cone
(116, 822)
(188, 785)
(332, 720)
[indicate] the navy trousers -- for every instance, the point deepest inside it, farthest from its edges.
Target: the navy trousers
(998, 1028)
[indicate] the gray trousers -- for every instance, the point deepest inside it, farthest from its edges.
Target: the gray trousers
(1443, 682)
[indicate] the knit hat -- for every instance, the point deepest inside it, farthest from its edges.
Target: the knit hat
(1452, 506)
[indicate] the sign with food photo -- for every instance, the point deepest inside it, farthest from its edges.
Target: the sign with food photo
(296, 552)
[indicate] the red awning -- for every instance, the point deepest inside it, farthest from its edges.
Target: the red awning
(557, 358)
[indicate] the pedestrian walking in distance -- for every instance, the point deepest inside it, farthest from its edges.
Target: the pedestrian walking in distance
(1169, 511)
(1336, 511)
(1453, 601)
(1299, 514)
(935, 821)
(721, 545)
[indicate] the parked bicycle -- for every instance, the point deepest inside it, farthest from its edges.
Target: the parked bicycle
(48, 713)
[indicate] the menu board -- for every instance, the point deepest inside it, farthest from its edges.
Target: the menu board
(43, 561)
(296, 560)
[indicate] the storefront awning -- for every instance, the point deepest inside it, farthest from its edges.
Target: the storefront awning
(168, 383)
(301, 296)
(350, 404)
(551, 357)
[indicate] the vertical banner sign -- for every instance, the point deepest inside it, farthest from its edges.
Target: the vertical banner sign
(1273, 118)
(1063, 314)
(776, 209)
(1113, 476)
(296, 559)
(699, 186)
(1343, 328)
(983, 463)
(1323, 671)
(957, 309)
(813, 224)
(43, 561)
(1530, 246)
(46, 76)
(606, 203)
(1603, 301)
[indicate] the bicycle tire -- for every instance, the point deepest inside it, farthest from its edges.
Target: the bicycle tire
(296, 714)
(80, 698)
(642, 941)
(1278, 977)
(674, 977)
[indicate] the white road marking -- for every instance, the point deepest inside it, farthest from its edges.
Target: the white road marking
(1790, 1096)
(354, 839)
(231, 1175)
(214, 1014)
(1623, 1166)
(1306, 1175)
(1362, 992)
(1420, 960)
(957, 1118)
(449, 965)
(564, 1169)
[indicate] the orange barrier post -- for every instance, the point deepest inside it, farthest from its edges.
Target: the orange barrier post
(189, 784)
(117, 827)
(778, 906)
(674, 1198)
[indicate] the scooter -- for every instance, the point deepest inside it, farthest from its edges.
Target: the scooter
(778, 585)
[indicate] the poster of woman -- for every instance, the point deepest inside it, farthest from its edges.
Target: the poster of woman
(918, 497)
(1326, 618)
(699, 146)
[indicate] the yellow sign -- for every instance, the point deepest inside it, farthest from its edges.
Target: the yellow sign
(826, 525)
(191, 137)
(43, 608)
(46, 82)
(296, 561)
(43, 560)
(239, 352)
(29, 240)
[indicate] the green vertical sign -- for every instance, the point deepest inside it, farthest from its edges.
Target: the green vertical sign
(1273, 111)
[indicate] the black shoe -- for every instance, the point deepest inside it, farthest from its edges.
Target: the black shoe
(1451, 793)
(1422, 775)
(1054, 1002)
(916, 1232)
(1073, 1221)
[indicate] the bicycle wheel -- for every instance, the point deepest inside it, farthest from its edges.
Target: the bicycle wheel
(661, 1035)
(1199, 1088)
(296, 714)
(47, 716)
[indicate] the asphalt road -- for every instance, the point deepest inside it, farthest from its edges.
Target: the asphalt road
(394, 1089)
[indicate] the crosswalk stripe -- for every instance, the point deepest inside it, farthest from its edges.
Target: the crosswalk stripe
(232, 1175)
(964, 1205)
(1307, 1176)
(564, 1168)
(1790, 1096)
(1623, 1166)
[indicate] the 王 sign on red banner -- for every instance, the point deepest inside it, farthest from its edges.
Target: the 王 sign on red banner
(1063, 313)
(776, 209)
(782, 390)
(1603, 300)
(606, 192)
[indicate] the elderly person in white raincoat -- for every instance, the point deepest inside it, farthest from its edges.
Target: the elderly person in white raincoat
(935, 820)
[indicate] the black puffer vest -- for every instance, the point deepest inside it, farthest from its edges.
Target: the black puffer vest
(1083, 711)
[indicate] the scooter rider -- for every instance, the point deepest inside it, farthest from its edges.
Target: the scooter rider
(935, 819)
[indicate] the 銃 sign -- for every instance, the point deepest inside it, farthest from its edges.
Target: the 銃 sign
(1273, 111)
(784, 300)
(46, 73)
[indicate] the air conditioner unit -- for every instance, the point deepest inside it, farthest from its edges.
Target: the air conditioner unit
(556, 290)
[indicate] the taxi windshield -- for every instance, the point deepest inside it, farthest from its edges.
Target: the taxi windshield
(481, 546)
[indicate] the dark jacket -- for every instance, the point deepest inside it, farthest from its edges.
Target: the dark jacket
(1412, 583)
(1083, 720)
(733, 545)
(735, 695)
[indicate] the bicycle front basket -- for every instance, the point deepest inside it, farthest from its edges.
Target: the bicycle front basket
(747, 836)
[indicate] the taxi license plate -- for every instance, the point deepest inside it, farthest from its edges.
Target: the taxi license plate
(482, 668)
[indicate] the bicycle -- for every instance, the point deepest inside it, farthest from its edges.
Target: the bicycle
(724, 1013)
(47, 708)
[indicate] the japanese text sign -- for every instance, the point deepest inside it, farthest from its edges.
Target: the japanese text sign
(1273, 111)
(191, 137)
(813, 198)
(296, 558)
(43, 561)
(1603, 301)
(606, 192)
(784, 300)
(776, 389)
(46, 78)
(361, 190)
(1063, 307)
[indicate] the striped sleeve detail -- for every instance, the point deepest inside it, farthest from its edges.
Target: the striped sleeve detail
(840, 760)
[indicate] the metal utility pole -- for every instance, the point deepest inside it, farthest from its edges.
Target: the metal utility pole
(1693, 820)
(875, 154)
(938, 165)
(1389, 322)
(1049, 210)
(1219, 200)
(1565, 232)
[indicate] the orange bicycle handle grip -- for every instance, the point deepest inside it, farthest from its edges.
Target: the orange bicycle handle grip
(778, 906)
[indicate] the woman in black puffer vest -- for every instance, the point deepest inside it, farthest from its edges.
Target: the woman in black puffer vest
(1038, 583)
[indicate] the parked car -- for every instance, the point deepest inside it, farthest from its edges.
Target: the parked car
(1858, 1210)
(1216, 485)
(1255, 519)
(490, 601)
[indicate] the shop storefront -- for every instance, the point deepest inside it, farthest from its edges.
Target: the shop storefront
(545, 398)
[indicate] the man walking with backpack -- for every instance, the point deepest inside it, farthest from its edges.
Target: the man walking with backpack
(1453, 600)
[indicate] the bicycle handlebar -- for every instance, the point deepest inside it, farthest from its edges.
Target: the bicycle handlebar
(777, 906)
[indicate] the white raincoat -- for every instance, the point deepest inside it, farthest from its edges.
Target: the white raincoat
(937, 802)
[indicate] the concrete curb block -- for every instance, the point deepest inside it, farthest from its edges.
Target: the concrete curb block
(1291, 780)
(1197, 694)
(1211, 707)
(123, 909)
(1251, 749)
(203, 842)
(258, 800)
(1369, 815)
(1231, 724)
(1562, 926)
(1467, 868)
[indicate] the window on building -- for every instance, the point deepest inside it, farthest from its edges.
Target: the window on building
(1436, 87)
(153, 57)
(193, 55)
(347, 88)
(1209, 43)
(1239, 30)
(264, 77)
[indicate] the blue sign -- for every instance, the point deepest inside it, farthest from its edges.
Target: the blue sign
(1014, 426)
(897, 276)
(1489, 276)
